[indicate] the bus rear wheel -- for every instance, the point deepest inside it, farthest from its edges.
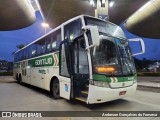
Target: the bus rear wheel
(20, 80)
(55, 89)
(17, 78)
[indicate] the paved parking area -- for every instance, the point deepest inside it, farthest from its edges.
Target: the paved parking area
(15, 97)
(7, 79)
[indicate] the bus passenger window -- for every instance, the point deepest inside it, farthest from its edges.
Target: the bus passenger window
(33, 53)
(58, 43)
(73, 30)
(58, 40)
(54, 45)
(27, 52)
(48, 47)
(55, 40)
(43, 49)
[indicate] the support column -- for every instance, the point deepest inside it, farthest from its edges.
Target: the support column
(102, 10)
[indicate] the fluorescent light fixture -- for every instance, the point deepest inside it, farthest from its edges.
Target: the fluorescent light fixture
(144, 6)
(111, 3)
(91, 2)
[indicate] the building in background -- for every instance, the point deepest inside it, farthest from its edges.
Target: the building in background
(6, 66)
(155, 67)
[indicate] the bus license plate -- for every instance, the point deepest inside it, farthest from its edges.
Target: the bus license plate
(122, 93)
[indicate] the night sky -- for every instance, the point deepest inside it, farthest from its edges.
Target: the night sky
(10, 39)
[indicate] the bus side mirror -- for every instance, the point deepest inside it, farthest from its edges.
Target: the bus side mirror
(94, 35)
(141, 43)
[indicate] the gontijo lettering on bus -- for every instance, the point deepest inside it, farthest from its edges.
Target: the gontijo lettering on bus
(44, 61)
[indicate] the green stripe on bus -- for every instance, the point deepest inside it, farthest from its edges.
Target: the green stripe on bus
(128, 78)
(107, 79)
(101, 78)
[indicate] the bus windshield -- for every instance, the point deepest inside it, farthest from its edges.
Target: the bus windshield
(105, 27)
(112, 57)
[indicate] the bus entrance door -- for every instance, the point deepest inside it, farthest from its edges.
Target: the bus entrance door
(74, 70)
(80, 69)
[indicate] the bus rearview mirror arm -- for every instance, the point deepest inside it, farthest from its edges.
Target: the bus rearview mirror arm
(94, 35)
(142, 45)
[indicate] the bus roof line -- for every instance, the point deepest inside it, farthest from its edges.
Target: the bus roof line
(43, 36)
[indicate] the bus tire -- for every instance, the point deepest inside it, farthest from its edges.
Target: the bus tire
(55, 89)
(17, 77)
(20, 79)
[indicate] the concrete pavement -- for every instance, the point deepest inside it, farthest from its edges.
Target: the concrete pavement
(149, 84)
(6, 79)
(14, 97)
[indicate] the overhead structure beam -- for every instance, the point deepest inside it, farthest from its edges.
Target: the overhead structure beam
(122, 9)
(145, 22)
(15, 14)
(56, 12)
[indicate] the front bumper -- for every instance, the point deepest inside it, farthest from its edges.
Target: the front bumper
(101, 94)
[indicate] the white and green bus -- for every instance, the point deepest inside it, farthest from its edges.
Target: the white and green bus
(85, 58)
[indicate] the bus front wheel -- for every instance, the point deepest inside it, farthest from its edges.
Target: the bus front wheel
(55, 89)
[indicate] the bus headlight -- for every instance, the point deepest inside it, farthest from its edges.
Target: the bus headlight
(101, 84)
